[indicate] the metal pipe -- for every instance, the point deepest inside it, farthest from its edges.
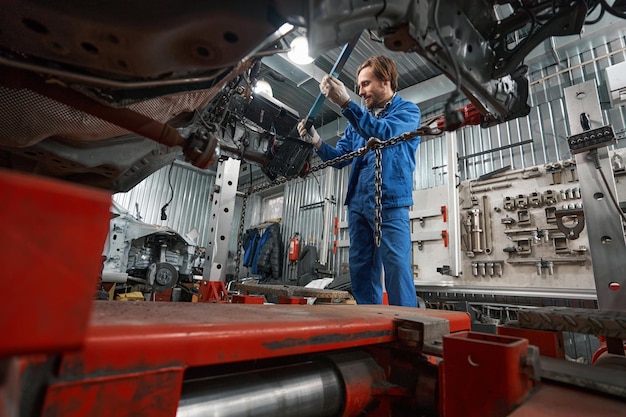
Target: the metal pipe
(454, 226)
(488, 236)
(328, 218)
(104, 82)
(312, 389)
(477, 231)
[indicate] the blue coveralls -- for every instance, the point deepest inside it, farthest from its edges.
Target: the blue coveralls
(398, 164)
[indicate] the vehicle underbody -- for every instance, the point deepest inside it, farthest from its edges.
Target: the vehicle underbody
(104, 94)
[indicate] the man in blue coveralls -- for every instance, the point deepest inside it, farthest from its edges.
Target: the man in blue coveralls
(384, 116)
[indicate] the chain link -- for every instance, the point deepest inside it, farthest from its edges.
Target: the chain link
(373, 143)
(378, 192)
(240, 237)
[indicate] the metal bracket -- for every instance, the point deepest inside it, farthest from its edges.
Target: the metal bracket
(576, 214)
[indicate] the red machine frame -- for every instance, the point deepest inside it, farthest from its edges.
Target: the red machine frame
(78, 357)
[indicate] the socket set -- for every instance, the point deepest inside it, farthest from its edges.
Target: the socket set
(591, 139)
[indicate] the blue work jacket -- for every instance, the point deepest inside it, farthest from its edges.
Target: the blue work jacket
(398, 161)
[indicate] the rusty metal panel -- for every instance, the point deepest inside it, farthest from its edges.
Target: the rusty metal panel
(577, 320)
(53, 236)
(149, 392)
(137, 336)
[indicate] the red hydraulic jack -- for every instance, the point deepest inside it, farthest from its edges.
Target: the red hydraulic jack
(213, 292)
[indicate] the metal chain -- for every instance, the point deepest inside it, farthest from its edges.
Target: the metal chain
(373, 143)
(240, 236)
(377, 145)
(378, 205)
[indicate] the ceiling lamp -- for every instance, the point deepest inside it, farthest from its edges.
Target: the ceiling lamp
(264, 88)
(299, 53)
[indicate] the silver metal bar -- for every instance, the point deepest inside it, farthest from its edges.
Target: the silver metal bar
(95, 80)
(454, 225)
(328, 212)
(603, 223)
(444, 287)
(487, 225)
(221, 222)
(306, 390)
(609, 380)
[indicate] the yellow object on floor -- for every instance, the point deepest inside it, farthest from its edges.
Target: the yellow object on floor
(131, 296)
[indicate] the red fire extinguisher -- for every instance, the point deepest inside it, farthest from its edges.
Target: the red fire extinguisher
(294, 248)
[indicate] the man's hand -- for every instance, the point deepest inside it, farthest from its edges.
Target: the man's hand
(335, 91)
(310, 136)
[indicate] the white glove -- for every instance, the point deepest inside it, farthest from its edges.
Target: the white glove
(311, 136)
(334, 90)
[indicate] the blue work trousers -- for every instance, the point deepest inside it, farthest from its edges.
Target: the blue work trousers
(394, 254)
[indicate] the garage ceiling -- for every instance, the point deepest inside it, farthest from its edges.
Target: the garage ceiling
(301, 86)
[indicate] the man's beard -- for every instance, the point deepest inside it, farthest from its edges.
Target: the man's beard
(378, 101)
(374, 104)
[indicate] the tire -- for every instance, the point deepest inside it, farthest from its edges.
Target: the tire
(165, 277)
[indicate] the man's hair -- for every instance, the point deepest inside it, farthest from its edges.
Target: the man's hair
(384, 69)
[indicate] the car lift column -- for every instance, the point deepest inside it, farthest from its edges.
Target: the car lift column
(221, 222)
(604, 225)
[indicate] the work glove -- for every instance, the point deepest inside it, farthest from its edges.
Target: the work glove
(310, 136)
(335, 91)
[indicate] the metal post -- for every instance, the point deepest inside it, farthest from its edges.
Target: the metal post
(221, 222)
(603, 223)
(328, 216)
(454, 227)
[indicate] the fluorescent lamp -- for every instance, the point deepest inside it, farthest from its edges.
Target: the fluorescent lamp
(299, 53)
(264, 88)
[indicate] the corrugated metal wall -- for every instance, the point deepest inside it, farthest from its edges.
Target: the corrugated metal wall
(190, 202)
(546, 125)
(306, 203)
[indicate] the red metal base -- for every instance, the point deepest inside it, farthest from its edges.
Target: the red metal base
(550, 343)
(292, 300)
(213, 292)
(132, 358)
(135, 354)
(247, 299)
(483, 374)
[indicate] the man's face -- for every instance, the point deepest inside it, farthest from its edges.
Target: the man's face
(375, 92)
